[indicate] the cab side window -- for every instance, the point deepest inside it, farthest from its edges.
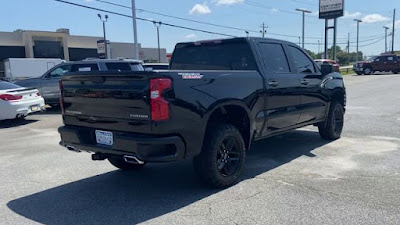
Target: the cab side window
(383, 59)
(274, 57)
(59, 71)
(84, 67)
(302, 63)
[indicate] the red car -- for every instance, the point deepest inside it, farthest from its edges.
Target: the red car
(382, 63)
(336, 66)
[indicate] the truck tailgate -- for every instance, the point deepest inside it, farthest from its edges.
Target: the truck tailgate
(108, 101)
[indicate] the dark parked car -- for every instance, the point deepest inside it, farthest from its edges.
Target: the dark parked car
(218, 97)
(382, 63)
(48, 83)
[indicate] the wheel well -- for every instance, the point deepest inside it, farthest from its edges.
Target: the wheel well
(338, 96)
(234, 115)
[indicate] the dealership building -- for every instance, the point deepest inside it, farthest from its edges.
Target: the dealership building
(60, 44)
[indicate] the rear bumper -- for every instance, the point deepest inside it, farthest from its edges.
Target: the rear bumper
(11, 110)
(144, 147)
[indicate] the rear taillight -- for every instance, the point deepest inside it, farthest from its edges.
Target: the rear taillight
(38, 94)
(159, 106)
(61, 97)
(7, 97)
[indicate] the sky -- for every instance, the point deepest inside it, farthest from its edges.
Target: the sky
(283, 21)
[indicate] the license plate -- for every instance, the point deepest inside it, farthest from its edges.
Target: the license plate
(104, 137)
(35, 108)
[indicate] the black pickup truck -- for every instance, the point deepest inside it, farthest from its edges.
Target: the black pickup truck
(217, 98)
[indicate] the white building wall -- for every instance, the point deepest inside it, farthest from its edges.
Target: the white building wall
(11, 39)
(118, 49)
(83, 41)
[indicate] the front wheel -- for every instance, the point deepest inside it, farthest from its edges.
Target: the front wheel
(367, 71)
(332, 127)
(221, 160)
(121, 164)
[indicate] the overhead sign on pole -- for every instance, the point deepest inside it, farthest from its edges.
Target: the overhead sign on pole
(330, 9)
(101, 49)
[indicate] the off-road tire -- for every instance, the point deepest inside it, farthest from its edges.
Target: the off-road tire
(332, 127)
(218, 167)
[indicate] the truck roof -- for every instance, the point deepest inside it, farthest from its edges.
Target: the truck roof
(247, 39)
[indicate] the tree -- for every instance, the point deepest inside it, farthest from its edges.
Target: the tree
(343, 57)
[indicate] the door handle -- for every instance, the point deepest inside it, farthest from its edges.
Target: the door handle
(273, 83)
(304, 82)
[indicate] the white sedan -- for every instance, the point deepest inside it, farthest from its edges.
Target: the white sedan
(18, 102)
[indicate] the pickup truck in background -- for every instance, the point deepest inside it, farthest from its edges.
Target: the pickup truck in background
(382, 63)
(48, 83)
(217, 98)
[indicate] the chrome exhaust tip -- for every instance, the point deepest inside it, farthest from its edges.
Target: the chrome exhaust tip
(72, 148)
(132, 159)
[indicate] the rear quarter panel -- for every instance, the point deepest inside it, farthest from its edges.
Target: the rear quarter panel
(194, 100)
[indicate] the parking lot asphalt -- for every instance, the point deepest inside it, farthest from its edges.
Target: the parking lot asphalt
(296, 178)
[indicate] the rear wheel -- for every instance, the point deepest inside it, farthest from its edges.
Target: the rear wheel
(121, 164)
(395, 72)
(332, 127)
(359, 73)
(222, 159)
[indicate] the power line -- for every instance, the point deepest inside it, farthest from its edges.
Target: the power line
(179, 18)
(142, 19)
(212, 24)
(372, 42)
(188, 28)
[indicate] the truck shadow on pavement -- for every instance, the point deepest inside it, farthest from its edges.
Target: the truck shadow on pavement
(15, 123)
(119, 197)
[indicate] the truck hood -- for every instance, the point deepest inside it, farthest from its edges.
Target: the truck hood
(31, 82)
(363, 62)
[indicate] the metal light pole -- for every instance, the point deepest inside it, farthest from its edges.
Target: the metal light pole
(158, 25)
(358, 35)
(135, 30)
(386, 29)
(393, 29)
(104, 32)
(304, 11)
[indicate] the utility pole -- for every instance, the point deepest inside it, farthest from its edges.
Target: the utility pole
(158, 25)
(386, 29)
(334, 38)
(326, 39)
(348, 43)
(319, 46)
(394, 24)
(304, 11)
(263, 31)
(348, 47)
(135, 30)
(358, 36)
(104, 33)
(299, 41)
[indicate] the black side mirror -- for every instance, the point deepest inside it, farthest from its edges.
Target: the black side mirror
(326, 69)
